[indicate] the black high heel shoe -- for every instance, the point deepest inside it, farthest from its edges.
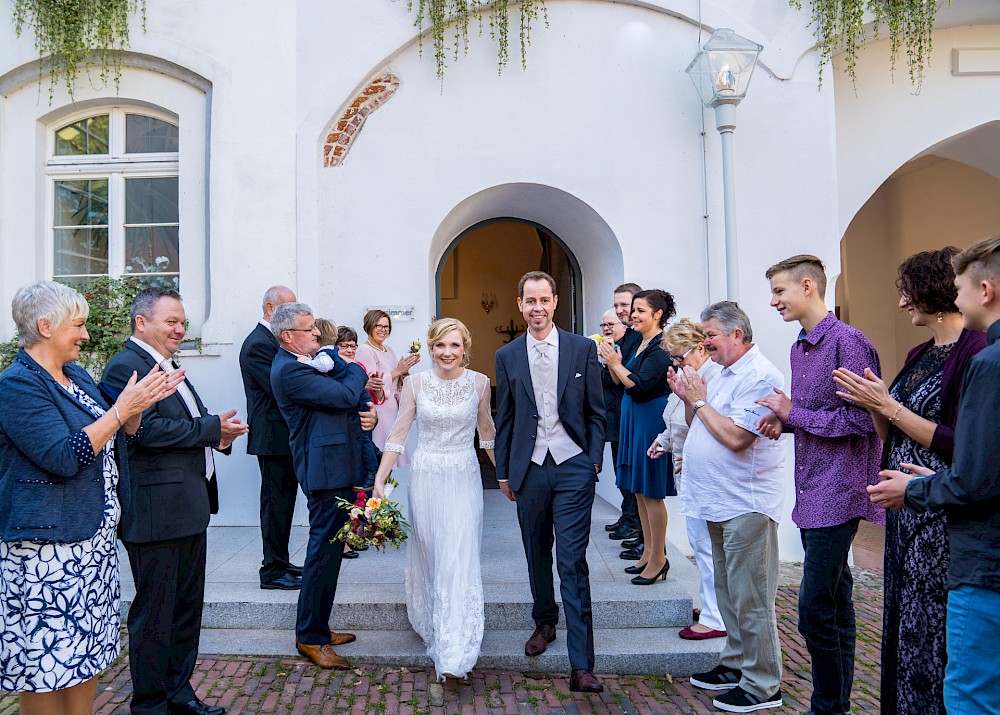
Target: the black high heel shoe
(640, 581)
(634, 569)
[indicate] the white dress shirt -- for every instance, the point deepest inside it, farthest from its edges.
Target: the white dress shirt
(167, 365)
(721, 484)
(550, 435)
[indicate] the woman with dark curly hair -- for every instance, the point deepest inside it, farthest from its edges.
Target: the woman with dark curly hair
(644, 378)
(916, 416)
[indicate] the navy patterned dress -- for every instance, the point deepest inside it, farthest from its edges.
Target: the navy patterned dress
(59, 602)
(916, 563)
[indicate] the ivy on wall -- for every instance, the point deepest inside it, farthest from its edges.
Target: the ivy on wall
(839, 26)
(449, 20)
(75, 35)
(110, 300)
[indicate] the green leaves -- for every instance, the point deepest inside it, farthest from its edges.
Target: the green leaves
(440, 14)
(75, 35)
(839, 26)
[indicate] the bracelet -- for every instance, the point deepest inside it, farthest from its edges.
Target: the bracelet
(895, 415)
(118, 415)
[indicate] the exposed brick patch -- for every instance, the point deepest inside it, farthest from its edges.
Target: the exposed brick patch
(347, 126)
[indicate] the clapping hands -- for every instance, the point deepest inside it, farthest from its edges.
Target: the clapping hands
(687, 384)
(231, 427)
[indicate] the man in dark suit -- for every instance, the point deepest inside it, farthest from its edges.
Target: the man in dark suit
(173, 493)
(549, 397)
(268, 440)
(325, 437)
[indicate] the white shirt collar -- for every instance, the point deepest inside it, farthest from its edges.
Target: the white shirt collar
(265, 323)
(748, 357)
(551, 339)
(153, 352)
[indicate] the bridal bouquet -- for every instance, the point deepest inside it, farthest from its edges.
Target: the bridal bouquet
(374, 522)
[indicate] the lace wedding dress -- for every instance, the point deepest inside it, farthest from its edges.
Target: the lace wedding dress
(444, 586)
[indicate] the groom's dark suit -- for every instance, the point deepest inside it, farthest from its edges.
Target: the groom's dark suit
(554, 500)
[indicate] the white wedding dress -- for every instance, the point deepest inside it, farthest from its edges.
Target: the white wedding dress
(444, 585)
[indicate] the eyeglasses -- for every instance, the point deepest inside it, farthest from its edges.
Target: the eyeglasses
(680, 358)
(608, 325)
(382, 327)
(303, 330)
(347, 346)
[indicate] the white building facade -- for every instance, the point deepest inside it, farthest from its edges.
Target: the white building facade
(309, 144)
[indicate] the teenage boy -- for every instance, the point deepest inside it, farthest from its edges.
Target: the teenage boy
(837, 453)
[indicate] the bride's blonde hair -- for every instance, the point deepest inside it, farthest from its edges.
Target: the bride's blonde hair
(440, 328)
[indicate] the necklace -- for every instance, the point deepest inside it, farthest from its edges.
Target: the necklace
(377, 347)
(644, 343)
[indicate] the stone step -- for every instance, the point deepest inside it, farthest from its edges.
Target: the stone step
(655, 651)
(382, 607)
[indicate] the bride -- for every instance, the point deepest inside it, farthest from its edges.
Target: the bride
(444, 587)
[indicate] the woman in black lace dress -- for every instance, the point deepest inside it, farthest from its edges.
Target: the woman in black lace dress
(916, 418)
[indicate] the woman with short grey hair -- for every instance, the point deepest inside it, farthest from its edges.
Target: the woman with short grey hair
(62, 460)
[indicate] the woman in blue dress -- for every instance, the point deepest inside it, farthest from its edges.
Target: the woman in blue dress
(62, 468)
(645, 380)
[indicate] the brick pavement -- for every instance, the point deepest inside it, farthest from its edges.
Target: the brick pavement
(291, 687)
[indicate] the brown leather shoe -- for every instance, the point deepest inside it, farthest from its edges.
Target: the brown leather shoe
(341, 638)
(539, 640)
(583, 681)
(322, 655)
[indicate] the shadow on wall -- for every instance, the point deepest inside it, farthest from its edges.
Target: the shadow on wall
(928, 203)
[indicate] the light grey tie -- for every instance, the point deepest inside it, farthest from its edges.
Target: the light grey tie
(543, 366)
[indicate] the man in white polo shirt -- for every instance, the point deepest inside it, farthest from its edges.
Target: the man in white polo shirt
(734, 481)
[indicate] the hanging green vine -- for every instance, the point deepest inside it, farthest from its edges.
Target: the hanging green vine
(75, 35)
(839, 26)
(440, 14)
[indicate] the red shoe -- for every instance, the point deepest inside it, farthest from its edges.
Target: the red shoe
(687, 634)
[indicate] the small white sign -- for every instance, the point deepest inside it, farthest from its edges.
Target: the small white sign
(396, 312)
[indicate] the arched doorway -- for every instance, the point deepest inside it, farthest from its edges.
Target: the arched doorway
(948, 194)
(477, 282)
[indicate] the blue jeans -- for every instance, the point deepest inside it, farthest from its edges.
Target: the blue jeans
(826, 615)
(971, 686)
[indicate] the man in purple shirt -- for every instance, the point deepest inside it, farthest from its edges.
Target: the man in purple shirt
(837, 454)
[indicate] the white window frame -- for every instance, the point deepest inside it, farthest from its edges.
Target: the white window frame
(116, 167)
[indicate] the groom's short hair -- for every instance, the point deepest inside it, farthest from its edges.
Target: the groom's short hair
(535, 276)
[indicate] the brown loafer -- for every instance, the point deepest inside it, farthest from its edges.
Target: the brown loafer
(322, 655)
(539, 640)
(583, 681)
(341, 638)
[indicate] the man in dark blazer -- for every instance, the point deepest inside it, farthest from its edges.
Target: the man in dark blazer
(325, 436)
(268, 440)
(550, 404)
(173, 493)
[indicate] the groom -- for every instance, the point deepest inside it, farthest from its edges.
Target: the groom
(550, 405)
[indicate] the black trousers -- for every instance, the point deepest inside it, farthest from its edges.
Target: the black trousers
(826, 615)
(630, 507)
(322, 565)
(554, 504)
(278, 488)
(164, 622)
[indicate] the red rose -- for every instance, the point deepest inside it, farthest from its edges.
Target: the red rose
(87, 296)
(362, 496)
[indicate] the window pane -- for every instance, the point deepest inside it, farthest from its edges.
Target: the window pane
(146, 135)
(151, 200)
(81, 203)
(172, 282)
(87, 136)
(152, 249)
(81, 251)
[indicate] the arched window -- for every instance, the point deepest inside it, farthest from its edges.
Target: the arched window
(113, 177)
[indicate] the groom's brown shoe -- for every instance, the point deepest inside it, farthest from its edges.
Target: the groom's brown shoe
(341, 638)
(539, 640)
(322, 655)
(583, 681)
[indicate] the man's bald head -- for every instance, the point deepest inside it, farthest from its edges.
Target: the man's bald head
(275, 296)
